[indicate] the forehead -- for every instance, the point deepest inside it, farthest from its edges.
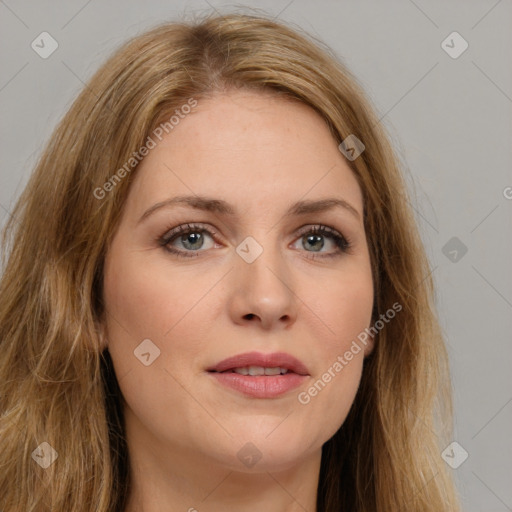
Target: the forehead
(250, 149)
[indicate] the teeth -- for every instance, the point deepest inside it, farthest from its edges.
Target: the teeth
(272, 371)
(259, 370)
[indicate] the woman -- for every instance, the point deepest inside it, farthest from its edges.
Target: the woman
(215, 296)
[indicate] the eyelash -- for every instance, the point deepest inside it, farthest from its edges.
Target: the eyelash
(342, 243)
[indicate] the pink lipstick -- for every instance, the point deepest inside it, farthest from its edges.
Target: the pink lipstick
(260, 375)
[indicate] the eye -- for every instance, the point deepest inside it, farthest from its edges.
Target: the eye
(190, 236)
(314, 238)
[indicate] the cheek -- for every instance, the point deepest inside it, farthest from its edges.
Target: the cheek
(327, 400)
(145, 298)
(148, 301)
(346, 306)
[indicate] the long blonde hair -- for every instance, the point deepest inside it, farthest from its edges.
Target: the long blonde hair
(58, 387)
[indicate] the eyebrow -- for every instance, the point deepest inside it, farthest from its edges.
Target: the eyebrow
(219, 206)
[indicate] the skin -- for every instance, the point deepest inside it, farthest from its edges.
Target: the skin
(184, 429)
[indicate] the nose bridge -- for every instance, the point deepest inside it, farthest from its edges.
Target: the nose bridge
(263, 281)
(261, 259)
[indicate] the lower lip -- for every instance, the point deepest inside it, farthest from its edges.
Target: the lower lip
(260, 386)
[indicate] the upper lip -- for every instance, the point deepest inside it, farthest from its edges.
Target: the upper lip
(273, 360)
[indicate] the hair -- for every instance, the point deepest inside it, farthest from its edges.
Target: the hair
(57, 386)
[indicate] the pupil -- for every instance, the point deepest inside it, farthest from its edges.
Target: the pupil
(189, 239)
(315, 238)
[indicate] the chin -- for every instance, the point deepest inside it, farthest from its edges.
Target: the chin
(256, 451)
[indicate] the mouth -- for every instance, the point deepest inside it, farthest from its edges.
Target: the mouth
(257, 364)
(259, 375)
(254, 371)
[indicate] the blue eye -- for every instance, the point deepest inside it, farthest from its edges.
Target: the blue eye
(315, 236)
(191, 237)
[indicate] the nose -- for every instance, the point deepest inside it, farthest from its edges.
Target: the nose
(262, 291)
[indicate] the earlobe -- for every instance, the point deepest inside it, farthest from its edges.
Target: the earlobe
(103, 343)
(370, 339)
(102, 337)
(369, 345)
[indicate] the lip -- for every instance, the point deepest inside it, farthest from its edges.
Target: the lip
(260, 386)
(273, 360)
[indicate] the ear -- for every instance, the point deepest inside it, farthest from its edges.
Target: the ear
(369, 345)
(102, 335)
(369, 342)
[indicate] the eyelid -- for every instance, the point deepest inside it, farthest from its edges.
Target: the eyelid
(186, 227)
(342, 241)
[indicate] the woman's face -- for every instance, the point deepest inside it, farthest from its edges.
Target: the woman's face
(249, 276)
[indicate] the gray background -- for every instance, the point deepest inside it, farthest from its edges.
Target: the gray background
(450, 120)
